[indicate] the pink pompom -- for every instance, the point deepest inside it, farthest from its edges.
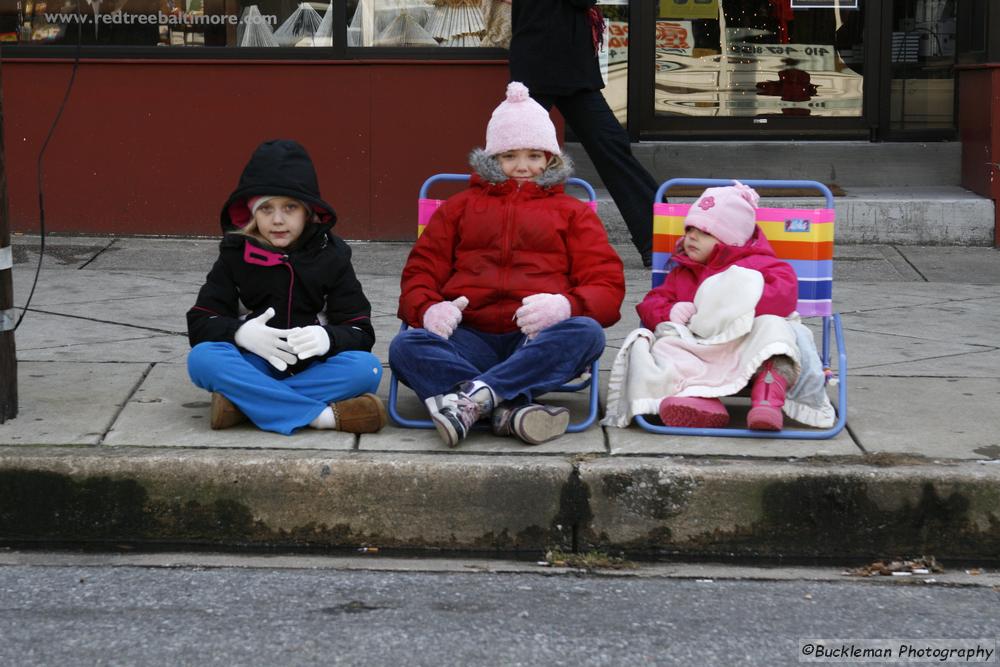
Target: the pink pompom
(517, 92)
(747, 193)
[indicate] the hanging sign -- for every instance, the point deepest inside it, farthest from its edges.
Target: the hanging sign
(689, 9)
(825, 4)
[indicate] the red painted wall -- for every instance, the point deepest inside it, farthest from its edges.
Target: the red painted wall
(155, 147)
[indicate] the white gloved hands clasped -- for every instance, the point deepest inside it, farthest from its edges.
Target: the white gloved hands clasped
(264, 341)
(311, 341)
(443, 317)
(540, 311)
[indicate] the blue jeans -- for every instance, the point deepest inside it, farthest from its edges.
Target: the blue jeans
(513, 366)
(274, 402)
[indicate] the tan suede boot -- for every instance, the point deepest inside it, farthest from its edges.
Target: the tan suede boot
(363, 414)
(224, 414)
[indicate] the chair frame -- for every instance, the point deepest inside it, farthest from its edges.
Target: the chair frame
(591, 383)
(831, 321)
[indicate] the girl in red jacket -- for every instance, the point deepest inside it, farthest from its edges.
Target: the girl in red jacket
(721, 232)
(509, 287)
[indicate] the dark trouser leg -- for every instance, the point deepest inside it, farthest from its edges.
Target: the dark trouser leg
(607, 144)
(431, 365)
(555, 356)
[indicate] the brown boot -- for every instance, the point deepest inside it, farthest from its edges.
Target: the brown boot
(224, 413)
(364, 414)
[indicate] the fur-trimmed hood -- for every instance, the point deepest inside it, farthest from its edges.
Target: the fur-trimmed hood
(488, 168)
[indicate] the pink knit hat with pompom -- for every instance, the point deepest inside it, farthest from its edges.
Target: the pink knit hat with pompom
(520, 122)
(728, 213)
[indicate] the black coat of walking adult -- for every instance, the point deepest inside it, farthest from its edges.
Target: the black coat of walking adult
(552, 52)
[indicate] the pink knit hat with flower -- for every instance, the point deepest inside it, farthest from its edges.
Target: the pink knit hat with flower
(728, 213)
(520, 122)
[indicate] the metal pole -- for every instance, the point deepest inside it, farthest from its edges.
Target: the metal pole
(8, 354)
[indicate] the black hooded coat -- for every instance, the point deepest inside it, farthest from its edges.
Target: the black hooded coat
(312, 282)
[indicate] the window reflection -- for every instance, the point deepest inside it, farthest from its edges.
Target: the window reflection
(758, 58)
(923, 60)
(421, 23)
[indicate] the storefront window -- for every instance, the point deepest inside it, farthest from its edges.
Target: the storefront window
(923, 61)
(416, 23)
(759, 58)
(234, 23)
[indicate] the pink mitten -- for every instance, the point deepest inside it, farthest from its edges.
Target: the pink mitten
(443, 317)
(682, 312)
(540, 311)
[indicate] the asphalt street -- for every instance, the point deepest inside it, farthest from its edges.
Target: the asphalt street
(89, 610)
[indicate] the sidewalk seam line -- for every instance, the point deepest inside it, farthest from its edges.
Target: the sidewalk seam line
(902, 335)
(943, 356)
(121, 408)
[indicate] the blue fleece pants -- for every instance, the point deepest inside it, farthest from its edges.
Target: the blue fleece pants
(513, 366)
(275, 402)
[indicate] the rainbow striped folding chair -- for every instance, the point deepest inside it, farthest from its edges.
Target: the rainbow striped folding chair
(801, 237)
(425, 209)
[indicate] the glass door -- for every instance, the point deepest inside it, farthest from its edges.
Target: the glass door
(922, 67)
(752, 67)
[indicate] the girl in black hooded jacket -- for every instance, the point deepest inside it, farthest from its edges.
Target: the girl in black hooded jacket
(300, 356)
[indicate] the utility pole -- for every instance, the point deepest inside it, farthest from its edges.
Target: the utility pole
(8, 354)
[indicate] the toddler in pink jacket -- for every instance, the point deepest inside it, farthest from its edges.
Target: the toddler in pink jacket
(721, 232)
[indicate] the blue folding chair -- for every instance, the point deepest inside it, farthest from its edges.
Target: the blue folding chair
(803, 238)
(425, 209)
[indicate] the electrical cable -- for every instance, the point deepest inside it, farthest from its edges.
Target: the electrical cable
(41, 156)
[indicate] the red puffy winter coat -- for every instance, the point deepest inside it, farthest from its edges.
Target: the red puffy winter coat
(781, 287)
(496, 243)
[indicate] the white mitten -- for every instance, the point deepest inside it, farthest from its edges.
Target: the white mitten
(443, 317)
(265, 341)
(311, 341)
(540, 311)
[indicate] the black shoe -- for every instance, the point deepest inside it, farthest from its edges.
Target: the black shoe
(647, 258)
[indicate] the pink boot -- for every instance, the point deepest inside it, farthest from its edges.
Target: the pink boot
(766, 398)
(693, 412)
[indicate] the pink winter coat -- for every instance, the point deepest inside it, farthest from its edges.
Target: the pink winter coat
(781, 287)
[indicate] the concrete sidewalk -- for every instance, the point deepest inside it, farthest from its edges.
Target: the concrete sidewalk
(112, 440)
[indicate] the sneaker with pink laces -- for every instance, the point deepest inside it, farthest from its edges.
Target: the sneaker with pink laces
(454, 413)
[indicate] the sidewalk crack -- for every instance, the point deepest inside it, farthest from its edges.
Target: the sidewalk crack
(99, 321)
(97, 254)
(121, 408)
(911, 264)
(857, 439)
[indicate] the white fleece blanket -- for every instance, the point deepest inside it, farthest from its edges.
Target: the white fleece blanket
(716, 355)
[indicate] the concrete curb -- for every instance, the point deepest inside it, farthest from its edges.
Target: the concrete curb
(806, 509)
(281, 498)
(459, 502)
